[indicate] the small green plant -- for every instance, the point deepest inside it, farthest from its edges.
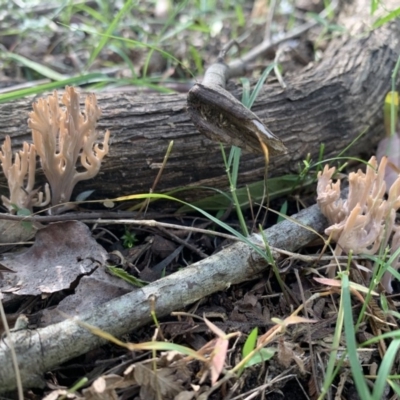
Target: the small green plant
(258, 357)
(129, 239)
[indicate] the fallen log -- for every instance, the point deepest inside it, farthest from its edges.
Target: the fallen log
(331, 102)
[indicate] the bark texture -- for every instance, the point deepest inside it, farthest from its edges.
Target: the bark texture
(331, 102)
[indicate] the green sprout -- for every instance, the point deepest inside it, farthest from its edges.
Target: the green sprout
(129, 239)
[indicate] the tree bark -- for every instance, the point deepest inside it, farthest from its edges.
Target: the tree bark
(330, 102)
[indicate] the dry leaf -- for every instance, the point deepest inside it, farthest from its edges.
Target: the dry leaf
(219, 352)
(61, 252)
(162, 381)
(286, 354)
(104, 387)
(92, 291)
(218, 359)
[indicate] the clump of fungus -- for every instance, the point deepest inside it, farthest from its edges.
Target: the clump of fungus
(20, 176)
(65, 140)
(364, 221)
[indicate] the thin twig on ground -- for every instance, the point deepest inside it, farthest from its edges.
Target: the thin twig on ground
(42, 349)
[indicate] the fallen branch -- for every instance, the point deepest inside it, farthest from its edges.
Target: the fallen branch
(40, 350)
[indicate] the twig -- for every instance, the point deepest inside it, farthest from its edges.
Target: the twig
(153, 223)
(87, 216)
(14, 366)
(42, 349)
(183, 242)
(238, 67)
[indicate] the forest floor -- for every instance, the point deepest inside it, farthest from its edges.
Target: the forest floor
(164, 46)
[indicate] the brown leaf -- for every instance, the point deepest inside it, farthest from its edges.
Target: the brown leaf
(162, 247)
(104, 387)
(91, 292)
(61, 252)
(161, 381)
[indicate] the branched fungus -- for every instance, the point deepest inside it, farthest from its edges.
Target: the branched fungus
(364, 221)
(62, 137)
(20, 176)
(65, 140)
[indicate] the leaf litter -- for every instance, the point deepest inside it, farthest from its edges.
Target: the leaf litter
(64, 255)
(239, 308)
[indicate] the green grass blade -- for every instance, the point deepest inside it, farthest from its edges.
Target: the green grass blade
(78, 385)
(125, 57)
(388, 17)
(246, 91)
(276, 187)
(393, 109)
(138, 44)
(96, 15)
(283, 211)
(374, 6)
(33, 65)
(217, 221)
(385, 368)
(124, 10)
(235, 165)
(259, 85)
(395, 387)
(76, 81)
(198, 60)
(383, 336)
(261, 356)
(349, 332)
(178, 29)
(239, 15)
(122, 274)
(331, 371)
(250, 343)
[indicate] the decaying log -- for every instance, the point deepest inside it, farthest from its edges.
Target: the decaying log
(330, 102)
(42, 349)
